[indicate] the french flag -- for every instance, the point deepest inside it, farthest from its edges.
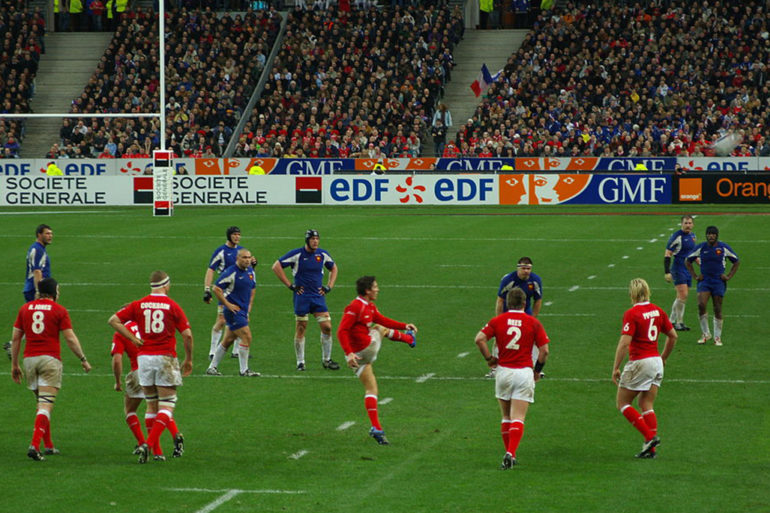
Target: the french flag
(484, 80)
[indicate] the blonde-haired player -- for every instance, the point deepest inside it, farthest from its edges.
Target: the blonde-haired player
(643, 373)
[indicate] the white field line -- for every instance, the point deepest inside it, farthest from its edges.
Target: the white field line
(574, 288)
(211, 506)
(385, 400)
(346, 425)
(58, 212)
(402, 468)
(433, 377)
(297, 455)
(212, 490)
(357, 238)
(392, 286)
(592, 277)
(229, 494)
(463, 355)
(425, 377)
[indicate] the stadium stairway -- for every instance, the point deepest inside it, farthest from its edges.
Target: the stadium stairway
(490, 47)
(70, 60)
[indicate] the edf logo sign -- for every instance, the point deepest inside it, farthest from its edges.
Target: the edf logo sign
(413, 190)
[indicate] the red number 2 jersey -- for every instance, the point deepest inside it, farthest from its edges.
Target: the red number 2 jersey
(515, 332)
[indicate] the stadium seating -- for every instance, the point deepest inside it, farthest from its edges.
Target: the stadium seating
(213, 64)
(606, 78)
(354, 83)
(21, 32)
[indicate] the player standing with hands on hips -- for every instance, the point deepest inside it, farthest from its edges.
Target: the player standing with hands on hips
(307, 266)
(643, 373)
(515, 333)
(712, 280)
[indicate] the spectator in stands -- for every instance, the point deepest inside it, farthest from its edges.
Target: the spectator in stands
(587, 68)
(362, 72)
(209, 80)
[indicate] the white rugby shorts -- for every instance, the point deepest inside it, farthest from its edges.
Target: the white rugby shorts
(515, 384)
(43, 371)
(133, 388)
(159, 370)
(640, 375)
(368, 354)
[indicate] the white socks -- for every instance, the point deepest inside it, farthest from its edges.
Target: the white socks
(326, 346)
(299, 349)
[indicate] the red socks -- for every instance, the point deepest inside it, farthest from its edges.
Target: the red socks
(505, 426)
(42, 424)
(149, 422)
(133, 424)
(515, 433)
(635, 418)
(162, 421)
(652, 422)
(172, 429)
(370, 401)
(398, 336)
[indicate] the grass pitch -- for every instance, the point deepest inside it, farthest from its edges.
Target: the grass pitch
(285, 442)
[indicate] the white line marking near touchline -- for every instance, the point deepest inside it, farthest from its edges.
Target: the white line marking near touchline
(228, 494)
(426, 377)
(463, 355)
(574, 288)
(346, 425)
(297, 455)
(385, 400)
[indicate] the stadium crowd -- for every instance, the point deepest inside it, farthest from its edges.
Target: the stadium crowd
(213, 65)
(607, 78)
(21, 33)
(354, 83)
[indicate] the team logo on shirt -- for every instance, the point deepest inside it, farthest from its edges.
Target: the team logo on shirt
(718, 251)
(318, 258)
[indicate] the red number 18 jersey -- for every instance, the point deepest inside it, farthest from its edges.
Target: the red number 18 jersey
(158, 318)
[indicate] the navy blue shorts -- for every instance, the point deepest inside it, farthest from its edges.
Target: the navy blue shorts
(29, 295)
(236, 320)
(304, 305)
(681, 276)
(716, 286)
